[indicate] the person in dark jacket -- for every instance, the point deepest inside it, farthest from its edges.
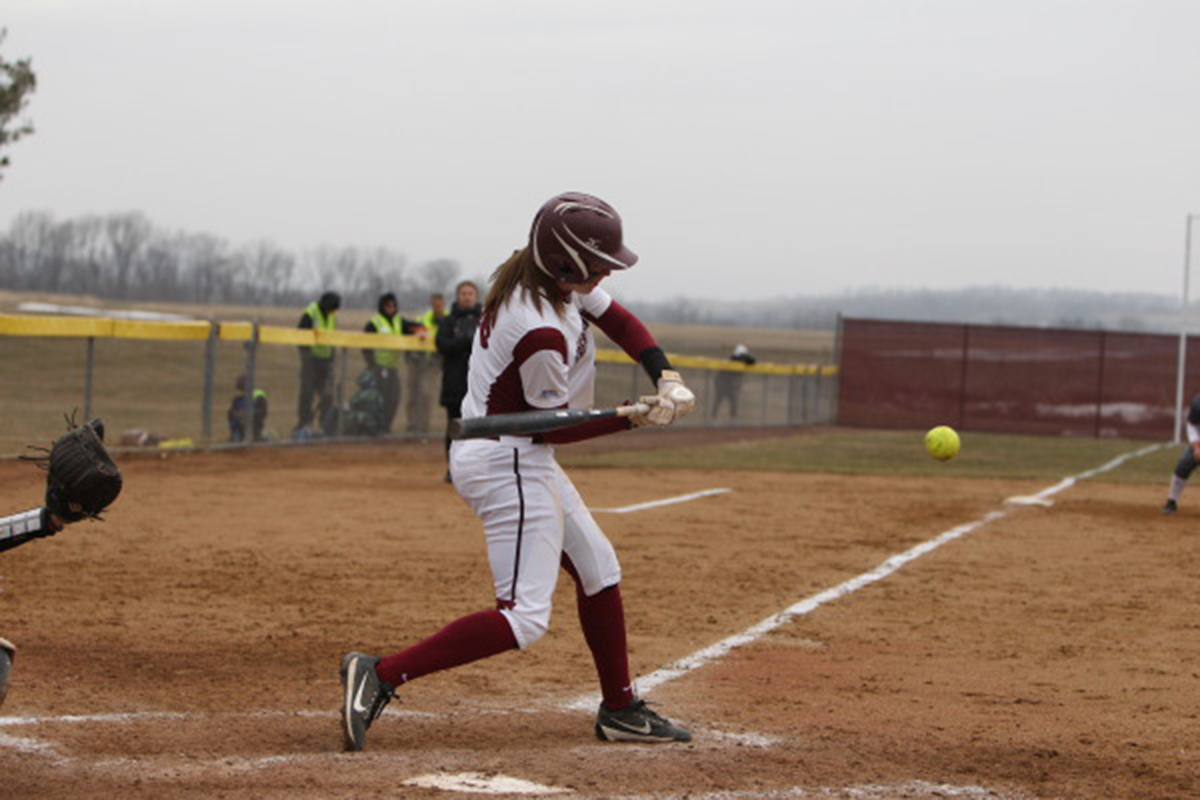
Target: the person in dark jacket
(455, 333)
(385, 363)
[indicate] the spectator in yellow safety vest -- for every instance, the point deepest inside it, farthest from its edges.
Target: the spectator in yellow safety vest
(384, 363)
(316, 373)
(420, 380)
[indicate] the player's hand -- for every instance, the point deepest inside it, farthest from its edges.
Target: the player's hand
(1196, 450)
(673, 401)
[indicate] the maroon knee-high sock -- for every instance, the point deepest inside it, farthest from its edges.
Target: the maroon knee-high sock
(467, 639)
(602, 617)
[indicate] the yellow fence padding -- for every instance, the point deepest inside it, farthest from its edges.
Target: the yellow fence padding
(725, 365)
(25, 325)
(235, 331)
(271, 334)
(373, 341)
(20, 325)
(160, 331)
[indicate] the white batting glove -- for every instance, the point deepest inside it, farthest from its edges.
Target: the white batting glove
(673, 401)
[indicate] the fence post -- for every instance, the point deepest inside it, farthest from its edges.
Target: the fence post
(88, 369)
(838, 342)
(210, 365)
(1100, 384)
(817, 395)
(765, 397)
(343, 355)
(805, 388)
(788, 391)
(709, 395)
(248, 391)
(962, 385)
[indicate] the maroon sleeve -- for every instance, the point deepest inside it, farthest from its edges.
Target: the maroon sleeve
(588, 430)
(626, 330)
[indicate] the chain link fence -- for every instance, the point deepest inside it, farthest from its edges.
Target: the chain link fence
(172, 384)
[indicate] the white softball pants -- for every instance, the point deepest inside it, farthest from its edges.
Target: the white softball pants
(532, 514)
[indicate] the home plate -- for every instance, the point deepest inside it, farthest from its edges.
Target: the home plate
(1030, 500)
(478, 783)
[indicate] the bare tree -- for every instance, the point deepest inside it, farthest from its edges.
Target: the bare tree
(157, 271)
(128, 236)
(206, 268)
(267, 272)
(88, 256)
(382, 272)
(125, 256)
(28, 248)
(437, 276)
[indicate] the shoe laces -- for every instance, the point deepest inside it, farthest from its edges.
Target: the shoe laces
(643, 707)
(385, 695)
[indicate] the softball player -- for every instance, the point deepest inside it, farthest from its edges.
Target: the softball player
(534, 350)
(1187, 461)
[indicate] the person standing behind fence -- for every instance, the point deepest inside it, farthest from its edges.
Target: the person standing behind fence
(728, 384)
(418, 367)
(454, 336)
(1188, 461)
(388, 322)
(316, 362)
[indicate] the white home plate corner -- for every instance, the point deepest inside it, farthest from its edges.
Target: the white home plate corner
(667, 501)
(478, 783)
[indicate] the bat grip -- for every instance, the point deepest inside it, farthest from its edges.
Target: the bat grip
(633, 409)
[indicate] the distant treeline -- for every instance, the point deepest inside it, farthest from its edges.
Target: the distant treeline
(989, 305)
(126, 257)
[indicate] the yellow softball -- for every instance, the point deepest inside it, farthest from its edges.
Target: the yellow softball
(942, 443)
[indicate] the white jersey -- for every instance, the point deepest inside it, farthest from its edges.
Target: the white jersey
(525, 359)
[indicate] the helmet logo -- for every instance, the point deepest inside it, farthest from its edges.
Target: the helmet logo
(576, 235)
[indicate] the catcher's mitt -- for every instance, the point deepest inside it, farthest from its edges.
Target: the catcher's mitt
(82, 479)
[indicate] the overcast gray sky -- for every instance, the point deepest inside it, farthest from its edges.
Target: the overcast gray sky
(754, 147)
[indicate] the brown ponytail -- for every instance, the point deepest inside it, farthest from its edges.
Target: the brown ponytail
(520, 273)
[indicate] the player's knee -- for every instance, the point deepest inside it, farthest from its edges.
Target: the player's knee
(528, 626)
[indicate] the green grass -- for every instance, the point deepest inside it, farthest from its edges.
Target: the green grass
(865, 452)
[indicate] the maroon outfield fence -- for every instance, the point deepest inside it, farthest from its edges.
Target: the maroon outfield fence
(1005, 379)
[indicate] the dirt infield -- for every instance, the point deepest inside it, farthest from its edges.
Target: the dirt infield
(189, 646)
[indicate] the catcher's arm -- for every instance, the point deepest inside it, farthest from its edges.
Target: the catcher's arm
(28, 525)
(81, 482)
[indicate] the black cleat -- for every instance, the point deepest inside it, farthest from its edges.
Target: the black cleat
(1169, 507)
(637, 723)
(363, 698)
(7, 651)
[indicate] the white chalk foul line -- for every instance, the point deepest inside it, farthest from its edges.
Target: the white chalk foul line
(479, 783)
(812, 603)
(912, 789)
(668, 501)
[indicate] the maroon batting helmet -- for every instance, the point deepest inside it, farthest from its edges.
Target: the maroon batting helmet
(575, 234)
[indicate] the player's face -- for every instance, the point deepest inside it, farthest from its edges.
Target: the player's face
(587, 286)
